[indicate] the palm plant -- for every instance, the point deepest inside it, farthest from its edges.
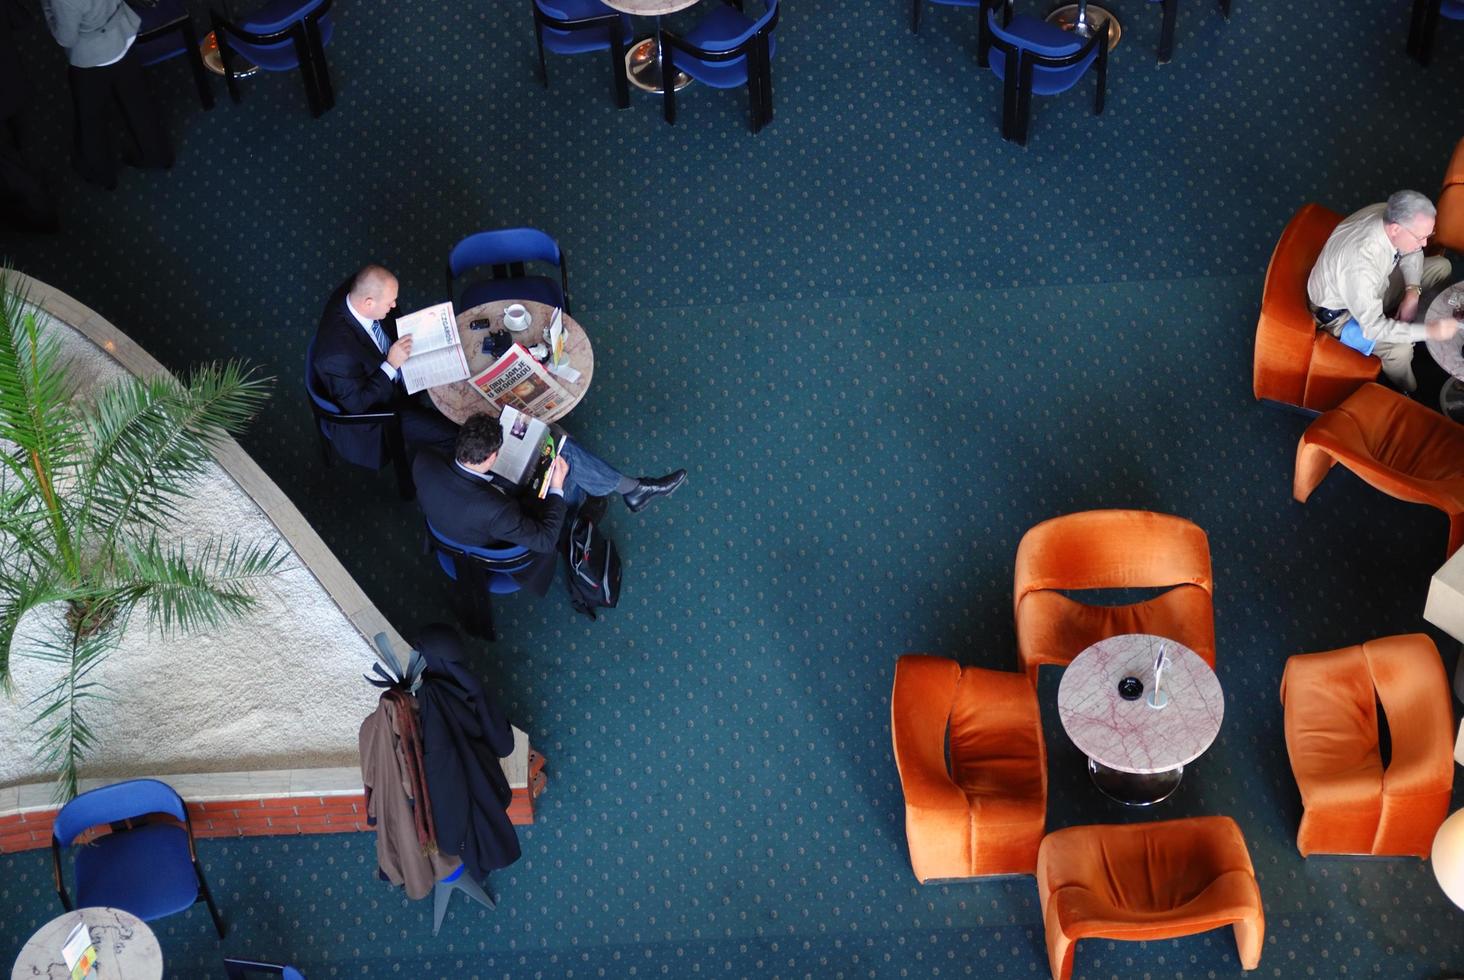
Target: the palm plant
(88, 490)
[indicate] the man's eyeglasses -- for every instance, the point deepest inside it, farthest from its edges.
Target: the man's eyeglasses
(1422, 240)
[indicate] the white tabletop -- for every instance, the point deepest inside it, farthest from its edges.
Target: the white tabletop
(649, 8)
(1130, 736)
(1448, 353)
(126, 947)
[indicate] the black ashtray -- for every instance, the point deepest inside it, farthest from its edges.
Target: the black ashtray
(1130, 688)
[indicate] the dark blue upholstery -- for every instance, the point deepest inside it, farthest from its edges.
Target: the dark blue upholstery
(283, 35)
(583, 40)
(505, 561)
(724, 29)
(120, 801)
(360, 447)
(273, 17)
(164, 14)
(508, 250)
(1452, 9)
(1031, 34)
(726, 49)
(1031, 56)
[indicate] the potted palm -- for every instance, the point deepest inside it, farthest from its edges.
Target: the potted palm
(89, 487)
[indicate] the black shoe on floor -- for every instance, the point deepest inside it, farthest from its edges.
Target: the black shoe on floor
(649, 489)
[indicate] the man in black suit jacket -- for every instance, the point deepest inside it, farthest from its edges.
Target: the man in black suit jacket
(467, 504)
(357, 363)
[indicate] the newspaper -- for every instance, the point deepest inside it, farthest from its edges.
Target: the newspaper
(517, 380)
(437, 348)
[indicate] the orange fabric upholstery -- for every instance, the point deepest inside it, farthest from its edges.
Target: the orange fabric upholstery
(985, 814)
(1449, 227)
(1148, 881)
(1111, 549)
(1351, 804)
(1295, 362)
(1393, 443)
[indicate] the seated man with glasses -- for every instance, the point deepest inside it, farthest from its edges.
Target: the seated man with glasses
(1372, 264)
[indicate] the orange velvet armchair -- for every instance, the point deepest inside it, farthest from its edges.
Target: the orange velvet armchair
(1350, 803)
(1449, 226)
(984, 814)
(1111, 549)
(1296, 363)
(1148, 881)
(1392, 443)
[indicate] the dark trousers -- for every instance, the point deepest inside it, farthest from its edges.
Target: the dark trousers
(424, 427)
(94, 92)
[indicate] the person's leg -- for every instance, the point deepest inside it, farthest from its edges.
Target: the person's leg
(149, 138)
(1397, 365)
(1437, 270)
(591, 474)
(91, 102)
(425, 427)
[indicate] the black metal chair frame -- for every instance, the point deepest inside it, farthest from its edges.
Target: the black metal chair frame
(238, 969)
(1166, 27)
(759, 68)
(617, 47)
(309, 52)
(396, 444)
(1016, 105)
(122, 826)
(473, 603)
(1421, 28)
(184, 26)
(917, 8)
(517, 270)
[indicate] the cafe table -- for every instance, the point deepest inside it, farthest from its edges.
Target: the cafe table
(1136, 751)
(643, 60)
(460, 399)
(1449, 354)
(126, 947)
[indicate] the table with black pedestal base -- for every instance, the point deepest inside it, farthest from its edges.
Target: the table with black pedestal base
(1137, 752)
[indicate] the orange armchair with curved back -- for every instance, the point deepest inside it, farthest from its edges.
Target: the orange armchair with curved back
(1449, 226)
(983, 814)
(1295, 363)
(1394, 444)
(1351, 804)
(1111, 549)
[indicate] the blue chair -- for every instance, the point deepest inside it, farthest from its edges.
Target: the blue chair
(369, 440)
(480, 573)
(1032, 56)
(166, 32)
(581, 26)
(281, 36)
(1426, 14)
(724, 50)
(506, 252)
(240, 970)
(147, 868)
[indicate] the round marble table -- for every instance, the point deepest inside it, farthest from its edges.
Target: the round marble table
(643, 60)
(1449, 354)
(126, 947)
(1137, 753)
(460, 399)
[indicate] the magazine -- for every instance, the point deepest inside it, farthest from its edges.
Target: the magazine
(437, 349)
(527, 450)
(517, 380)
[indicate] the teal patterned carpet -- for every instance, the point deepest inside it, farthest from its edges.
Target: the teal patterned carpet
(884, 343)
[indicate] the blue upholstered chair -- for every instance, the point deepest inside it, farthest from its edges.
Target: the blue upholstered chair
(1031, 56)
(480, 573)
(146, 867)
(579, 27)
(506, 253)
(726, 49)
(166, 32)
(244, 969)
(1426, 14)
(917, 7)
(281, 36)
(369, 440)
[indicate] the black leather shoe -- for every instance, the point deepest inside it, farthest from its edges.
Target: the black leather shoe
(649, 489)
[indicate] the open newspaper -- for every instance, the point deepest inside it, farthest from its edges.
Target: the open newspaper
(517, 380)
(527, 452)
(437, 349)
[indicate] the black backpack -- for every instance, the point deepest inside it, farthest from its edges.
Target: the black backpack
(594, 568)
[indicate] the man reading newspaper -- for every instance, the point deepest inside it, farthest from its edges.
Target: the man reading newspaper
(466, 502)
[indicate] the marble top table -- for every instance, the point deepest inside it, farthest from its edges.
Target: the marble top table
(1449, 354)
(460, 399)
(126, 947)
(1130, 737)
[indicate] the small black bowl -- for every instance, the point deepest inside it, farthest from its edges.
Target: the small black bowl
(1130, 688)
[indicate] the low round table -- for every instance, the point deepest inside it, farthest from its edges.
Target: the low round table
(1137, 753)
(643, 60)
(126, 947)
(1449, 354)
(460, 399)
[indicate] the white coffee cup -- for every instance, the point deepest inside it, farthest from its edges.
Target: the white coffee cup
(516, 318)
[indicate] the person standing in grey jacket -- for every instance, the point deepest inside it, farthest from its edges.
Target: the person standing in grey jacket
(98, 36)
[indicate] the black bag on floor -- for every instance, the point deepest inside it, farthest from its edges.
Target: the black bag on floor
(594, 568)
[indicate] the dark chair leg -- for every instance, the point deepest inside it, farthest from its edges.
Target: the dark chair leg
(539, 42)
(1024, 101)
(1225, 9)
(322, 75)
(473, 602)
(195, 61)
(1101, 96)
(1420, 34)
(213, 910)
(1166, 30)
(396, 447)
(304, 65)
(226, 57)
(617, 71)
(668, 91)
(324, 445)
(754, 89)
(915, 6)
(767, 89)
(1009, 99)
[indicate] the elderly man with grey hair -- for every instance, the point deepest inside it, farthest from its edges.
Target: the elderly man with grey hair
(1365, 286)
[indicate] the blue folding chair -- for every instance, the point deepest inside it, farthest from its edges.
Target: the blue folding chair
(579, 27)
(506, 252)
(281, 36)
(724, 50)
(145, 867)
(348, 436)
(241, 969)
(1425, 21)
(166, 32)
(480, 573)
(1032, 56)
